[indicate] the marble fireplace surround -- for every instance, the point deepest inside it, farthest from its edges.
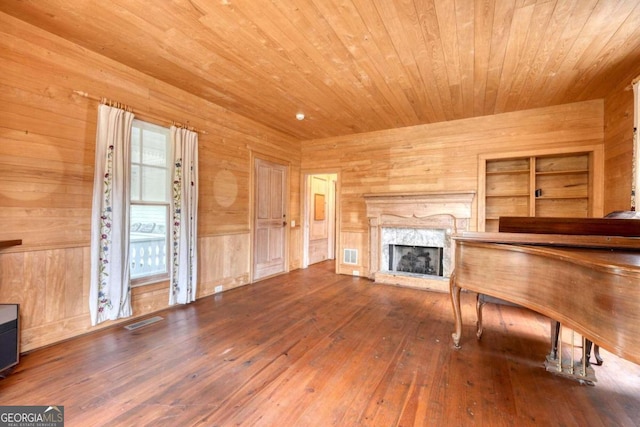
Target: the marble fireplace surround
(444, 213)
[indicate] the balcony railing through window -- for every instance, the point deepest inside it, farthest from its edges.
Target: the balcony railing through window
(148, 255)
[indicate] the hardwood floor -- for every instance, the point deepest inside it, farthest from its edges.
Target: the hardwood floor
(312, 348)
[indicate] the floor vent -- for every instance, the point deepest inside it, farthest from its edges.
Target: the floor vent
(142, 323)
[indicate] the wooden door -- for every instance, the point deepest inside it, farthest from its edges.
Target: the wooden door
(270, 219)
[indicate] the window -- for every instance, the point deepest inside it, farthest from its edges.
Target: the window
(150, 201)
(635, 183)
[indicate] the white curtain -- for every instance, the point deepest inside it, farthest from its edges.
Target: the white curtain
(635, 185)
(110, 294)
(184, 268)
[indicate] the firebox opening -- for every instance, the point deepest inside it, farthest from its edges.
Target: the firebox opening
(416, 259)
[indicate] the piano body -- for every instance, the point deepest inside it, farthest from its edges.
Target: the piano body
(581, 272)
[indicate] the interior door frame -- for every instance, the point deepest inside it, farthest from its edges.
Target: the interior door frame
(253, 156)
(305, 192)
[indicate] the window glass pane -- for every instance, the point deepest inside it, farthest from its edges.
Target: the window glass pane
(135, 144)
(154, 150)
(154, 184)
(148, 240)
(135, 182)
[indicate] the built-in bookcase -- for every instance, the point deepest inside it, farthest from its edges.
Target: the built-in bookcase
(544, 184)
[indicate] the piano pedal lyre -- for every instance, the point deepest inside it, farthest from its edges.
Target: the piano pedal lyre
(563, 362)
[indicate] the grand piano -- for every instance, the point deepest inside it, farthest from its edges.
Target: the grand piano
(583, 273)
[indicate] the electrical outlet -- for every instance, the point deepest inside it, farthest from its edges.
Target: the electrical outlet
(293, 223)
(218, 289)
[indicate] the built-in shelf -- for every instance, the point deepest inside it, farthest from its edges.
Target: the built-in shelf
(9, 243)
(509, 172)
(577, 171)
(561, 197)
(552, 183)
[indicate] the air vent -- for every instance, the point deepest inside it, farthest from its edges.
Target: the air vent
(142, 323)
(350, 256)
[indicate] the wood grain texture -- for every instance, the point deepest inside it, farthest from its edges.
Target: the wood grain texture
(314, 348)
(443, 156)
(618, 138)
(47, 132)
(47, 139)
(358, 66)
(9, 243)
(590, 289)
(577, 226)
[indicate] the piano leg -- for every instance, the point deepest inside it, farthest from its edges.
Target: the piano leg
(596, 353)
(479, 305)
(555, 333)
(455, 300)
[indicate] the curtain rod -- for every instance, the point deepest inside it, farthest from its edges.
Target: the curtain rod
(125, 107)
(634, 81)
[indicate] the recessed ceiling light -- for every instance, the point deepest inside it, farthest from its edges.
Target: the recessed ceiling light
(300, 116)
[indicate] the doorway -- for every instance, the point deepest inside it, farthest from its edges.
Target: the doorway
(319, 216)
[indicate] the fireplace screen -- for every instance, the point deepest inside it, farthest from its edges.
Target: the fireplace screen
(415, 259)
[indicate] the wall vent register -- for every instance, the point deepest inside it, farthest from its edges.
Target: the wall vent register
(350, 256)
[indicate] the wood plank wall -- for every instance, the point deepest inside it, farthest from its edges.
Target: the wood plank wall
(618, 140)
(438, 157)
(47, 138)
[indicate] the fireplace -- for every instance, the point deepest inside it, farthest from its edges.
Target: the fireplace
(425, 260)
(421, 223)
(435, 234)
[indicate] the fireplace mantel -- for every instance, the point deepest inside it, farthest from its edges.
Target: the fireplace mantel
(457, 204)
(450, 211)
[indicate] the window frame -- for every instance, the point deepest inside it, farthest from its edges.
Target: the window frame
(145, 125)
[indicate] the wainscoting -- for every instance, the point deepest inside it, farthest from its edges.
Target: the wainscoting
(52, 286)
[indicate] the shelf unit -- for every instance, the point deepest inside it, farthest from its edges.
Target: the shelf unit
(556, 183)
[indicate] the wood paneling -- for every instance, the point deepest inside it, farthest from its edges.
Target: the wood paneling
(357, 66)
(358, 240)
(47, 139)
(441, 156)
(618, 137)
(406, 61)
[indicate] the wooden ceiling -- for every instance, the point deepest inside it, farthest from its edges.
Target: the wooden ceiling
(360, 65)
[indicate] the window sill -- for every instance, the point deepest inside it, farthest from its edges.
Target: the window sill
(150, 280)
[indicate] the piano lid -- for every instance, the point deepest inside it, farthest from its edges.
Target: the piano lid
(621, 223)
